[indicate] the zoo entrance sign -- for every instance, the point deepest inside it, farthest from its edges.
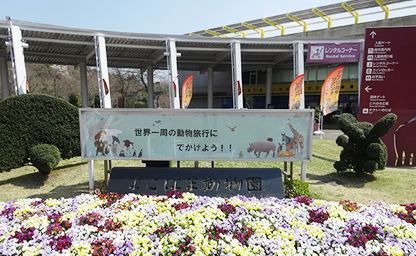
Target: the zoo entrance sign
(195, 134)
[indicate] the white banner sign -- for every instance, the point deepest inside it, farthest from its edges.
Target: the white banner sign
(194, 134)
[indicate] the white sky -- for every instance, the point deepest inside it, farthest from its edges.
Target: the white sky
(157, 16)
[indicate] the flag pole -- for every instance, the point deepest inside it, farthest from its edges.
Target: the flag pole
(321, 119)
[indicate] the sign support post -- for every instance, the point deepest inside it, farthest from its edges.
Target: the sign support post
(172, 55)
(238, 102)
(18, 60)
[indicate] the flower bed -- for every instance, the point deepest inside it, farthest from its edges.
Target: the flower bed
(185, 224)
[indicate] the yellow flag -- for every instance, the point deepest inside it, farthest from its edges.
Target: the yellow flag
(330, 91)
(295, 92)
(187, 91)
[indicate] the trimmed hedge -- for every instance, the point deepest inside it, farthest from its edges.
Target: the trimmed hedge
(363, 150)
(294, 188)
(45, 157)
(31, 119)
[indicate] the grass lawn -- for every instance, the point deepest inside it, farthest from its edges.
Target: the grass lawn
(393, 185)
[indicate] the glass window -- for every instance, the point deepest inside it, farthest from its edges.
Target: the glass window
(345, 72)
(311, 75)
(322, 73)
(277, 77)
(261, 77)
(287, 76)
(353, 73)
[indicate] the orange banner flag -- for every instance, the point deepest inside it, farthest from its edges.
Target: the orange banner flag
(187, 91)
(295, 92)
(330, 91)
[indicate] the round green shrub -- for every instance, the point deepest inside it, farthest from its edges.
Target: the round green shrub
(294, 188)
(28, 120)
(45, 157)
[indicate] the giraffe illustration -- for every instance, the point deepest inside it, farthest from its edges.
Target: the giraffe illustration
(297, 138)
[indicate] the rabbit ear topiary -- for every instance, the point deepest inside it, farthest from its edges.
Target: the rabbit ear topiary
(363, 150)
(45, 157)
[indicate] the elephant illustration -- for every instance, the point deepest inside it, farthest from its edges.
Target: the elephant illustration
(406, 144)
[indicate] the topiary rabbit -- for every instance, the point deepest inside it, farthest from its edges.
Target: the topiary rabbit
(363, 150)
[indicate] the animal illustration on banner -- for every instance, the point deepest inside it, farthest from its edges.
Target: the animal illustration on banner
(288, 143)
(295, 92)
(297, 139)
(187, 91)
(405, 142)
(107, 140)
(262, 146)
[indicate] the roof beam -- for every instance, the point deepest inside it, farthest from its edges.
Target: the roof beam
(193, 34)
(274, 24)
(49, 54)
(282, 57)
(323, 16)
(384, 7)
(258, 30)
(351, 11)
(297, 20)
(159, 57)
(214, 33)
(231, 30)
(218, 58)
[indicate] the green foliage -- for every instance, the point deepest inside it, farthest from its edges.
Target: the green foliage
(45, 157)
(317, 113)
(96, 103)
(31, 119)
(294, 188)
(74, 100)
(363, 150)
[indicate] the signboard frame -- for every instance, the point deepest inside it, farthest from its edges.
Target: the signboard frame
(302, 120)
(387, 86)
(333, 52)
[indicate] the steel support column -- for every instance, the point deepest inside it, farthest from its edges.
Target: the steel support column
(298, 68)
(84, 83)
(150, 88)
(173, 73)
(269, 86)
(236, 75)
(91, 174)
(102, 71)
(4, 73)
(18, 60)
(210, 90)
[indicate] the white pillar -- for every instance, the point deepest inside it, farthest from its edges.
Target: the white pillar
(102, 71)
(173, 73)
(236, 75)
(91, 174)
(298, 69)
(269, 86)
(5, 89)
(210, 90)
(18, 60)
(150, 88)
(84, 83)
(303, 172)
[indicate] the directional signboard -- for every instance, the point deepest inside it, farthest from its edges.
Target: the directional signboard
(388, 86)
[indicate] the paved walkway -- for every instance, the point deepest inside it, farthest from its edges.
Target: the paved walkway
(331, 132)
